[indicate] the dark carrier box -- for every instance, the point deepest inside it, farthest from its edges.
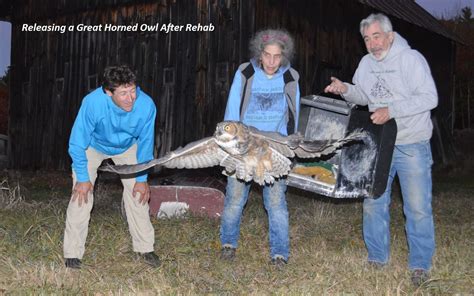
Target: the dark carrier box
(359, 169)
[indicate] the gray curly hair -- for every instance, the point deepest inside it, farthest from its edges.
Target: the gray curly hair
(382, 19)
(273, 36)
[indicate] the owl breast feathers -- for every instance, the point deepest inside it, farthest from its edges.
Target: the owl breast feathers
(243, 151)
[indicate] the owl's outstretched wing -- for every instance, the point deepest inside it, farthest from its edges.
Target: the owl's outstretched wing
(199, 154)
(296, 144)
(283, 144)
(318, 148)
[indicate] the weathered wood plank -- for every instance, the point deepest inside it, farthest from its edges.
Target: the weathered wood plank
(188, 74)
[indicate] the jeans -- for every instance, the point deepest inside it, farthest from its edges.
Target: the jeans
(412, 163)
(274, 198)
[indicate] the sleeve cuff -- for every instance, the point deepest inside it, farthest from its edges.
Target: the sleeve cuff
(142, 178)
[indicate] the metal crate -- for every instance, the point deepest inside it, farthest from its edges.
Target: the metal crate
(359, 169)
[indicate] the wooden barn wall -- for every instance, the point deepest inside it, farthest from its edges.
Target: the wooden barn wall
(188, 74)
(326, 44)
(3, 108)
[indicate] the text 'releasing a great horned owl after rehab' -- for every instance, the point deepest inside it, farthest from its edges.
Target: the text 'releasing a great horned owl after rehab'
(243, 150)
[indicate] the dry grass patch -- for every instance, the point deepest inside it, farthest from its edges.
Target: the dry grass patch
(10, 196)
(327, 251)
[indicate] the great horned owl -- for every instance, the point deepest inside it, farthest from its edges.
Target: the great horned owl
(243, 150)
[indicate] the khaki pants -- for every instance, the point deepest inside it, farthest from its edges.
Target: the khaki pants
(77, 218)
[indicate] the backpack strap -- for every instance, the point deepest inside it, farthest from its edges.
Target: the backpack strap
(288, 77)
(290, 95)
(247, 72)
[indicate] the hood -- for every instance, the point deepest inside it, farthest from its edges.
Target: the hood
(280, 72)
(399, 44)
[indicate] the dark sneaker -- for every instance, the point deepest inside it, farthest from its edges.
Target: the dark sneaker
(151, 259)
(376, 265)
(228, 253)
(73, 263)
(419, 276)
(279, 262)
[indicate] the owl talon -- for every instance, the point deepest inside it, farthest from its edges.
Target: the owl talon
(227, 173)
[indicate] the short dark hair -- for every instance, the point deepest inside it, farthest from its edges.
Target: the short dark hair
(115, 76)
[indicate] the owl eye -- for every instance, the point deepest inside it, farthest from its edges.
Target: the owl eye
(227, 128)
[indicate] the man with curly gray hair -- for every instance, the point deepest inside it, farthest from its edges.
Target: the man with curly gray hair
(264, 94)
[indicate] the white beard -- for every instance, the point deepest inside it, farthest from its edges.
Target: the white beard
(382, 55)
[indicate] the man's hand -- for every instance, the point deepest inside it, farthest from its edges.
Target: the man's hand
(336, 87)
(81, 191)
(143, 189)
(380, 116)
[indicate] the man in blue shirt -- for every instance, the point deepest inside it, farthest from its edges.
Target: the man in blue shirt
(115, 121)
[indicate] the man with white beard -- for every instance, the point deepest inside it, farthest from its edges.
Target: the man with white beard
(395, 82)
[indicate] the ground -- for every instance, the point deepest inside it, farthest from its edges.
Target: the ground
(327, 251)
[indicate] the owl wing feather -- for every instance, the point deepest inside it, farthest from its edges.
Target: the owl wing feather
(199, 154)
(317, 148)
(230, 164)
(281, 165)
(283, 144)
(296, 144)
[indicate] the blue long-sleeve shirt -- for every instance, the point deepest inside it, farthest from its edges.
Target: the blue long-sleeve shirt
(104, 126)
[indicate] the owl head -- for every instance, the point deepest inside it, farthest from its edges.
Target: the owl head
(227, 131)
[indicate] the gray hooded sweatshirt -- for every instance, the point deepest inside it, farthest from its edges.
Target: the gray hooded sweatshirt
(402, 82)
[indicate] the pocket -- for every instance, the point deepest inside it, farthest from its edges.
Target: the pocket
(422, 151)
(419, 153)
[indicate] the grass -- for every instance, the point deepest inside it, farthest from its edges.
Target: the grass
(327, 251)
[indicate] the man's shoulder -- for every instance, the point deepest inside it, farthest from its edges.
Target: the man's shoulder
(95, 97)
(412, 53)
(145, 101)
(412, 58)
(366, 59)
(144, 107)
